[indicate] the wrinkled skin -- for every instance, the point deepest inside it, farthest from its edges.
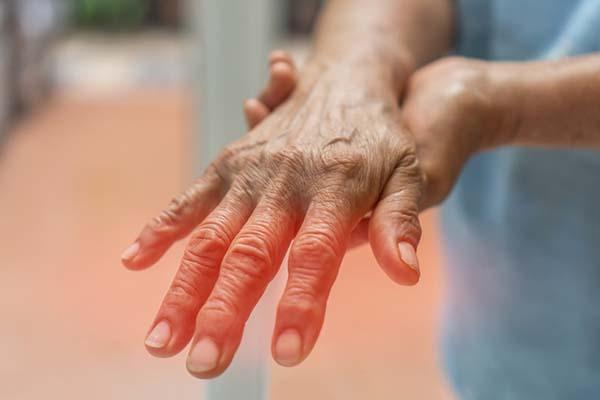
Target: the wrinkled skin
(447, 107)
(321, 170)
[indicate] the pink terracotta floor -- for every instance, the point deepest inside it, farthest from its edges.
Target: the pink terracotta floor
(77, 180)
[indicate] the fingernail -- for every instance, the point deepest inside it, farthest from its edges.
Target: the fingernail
(408, 255)
(288, 348)
(204, 356)
(159, 336)
(130, 252)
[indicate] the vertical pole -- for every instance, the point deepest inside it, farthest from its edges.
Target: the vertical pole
(231, 42)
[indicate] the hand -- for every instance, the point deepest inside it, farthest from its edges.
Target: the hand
(454, 108)
(329, 155)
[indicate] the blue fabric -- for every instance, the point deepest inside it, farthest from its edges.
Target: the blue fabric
(522, 232)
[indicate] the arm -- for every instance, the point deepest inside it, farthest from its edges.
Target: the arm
(371, 46)
(552, 103)
(386, 37)
(359, 40)
(406, 32)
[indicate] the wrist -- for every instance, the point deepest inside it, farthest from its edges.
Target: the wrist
(512, 83)
(367, 72)
(497, 103)
(542, 96)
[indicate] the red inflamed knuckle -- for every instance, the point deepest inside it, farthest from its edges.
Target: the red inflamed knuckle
(315, 246)
(209, 243)
(249, 260)
(183, 290)
(220, 305)
(310, 281)
(406, 222)
(306, 307)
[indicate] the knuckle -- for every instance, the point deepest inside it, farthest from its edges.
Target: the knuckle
(183, 207)
(226, 164)
(409, 160)
(348, 164)
(184, 289)
(246, 185)
(182, 293)
(310, 283)
(195, 267)
(290, 161)
(250, 257)
(208, 244)
(285, 192)
(194, 271)
(167, 218)
(319, 245)
(407, 221)
(177, 206)
(221, 304)
(303, 305)
(285, 169)
(289, 156)
(226, 155)
(409, 171)
(405, 215)
(176, 210)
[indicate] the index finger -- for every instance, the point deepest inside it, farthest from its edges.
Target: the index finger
(182, 215)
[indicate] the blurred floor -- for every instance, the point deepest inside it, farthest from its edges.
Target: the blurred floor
(77, 181)
(107, 64)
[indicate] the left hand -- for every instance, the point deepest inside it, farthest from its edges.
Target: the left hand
(335, 152)
(454, 108)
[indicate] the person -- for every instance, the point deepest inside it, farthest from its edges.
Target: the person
(378, 126)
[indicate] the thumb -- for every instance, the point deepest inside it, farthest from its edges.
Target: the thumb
(394, 230)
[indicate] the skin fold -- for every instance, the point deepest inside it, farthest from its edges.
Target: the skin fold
(349, 150)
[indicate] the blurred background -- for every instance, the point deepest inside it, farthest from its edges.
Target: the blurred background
(107, 109)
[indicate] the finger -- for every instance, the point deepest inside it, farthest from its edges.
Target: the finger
(247, 268)
(281, 56)
(255, 112)
(394, 230)
(174, 223)
(313, 264)
(174, 324)
(282, 80)
(281, 83)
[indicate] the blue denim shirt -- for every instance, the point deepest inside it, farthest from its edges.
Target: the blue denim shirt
(522, 232)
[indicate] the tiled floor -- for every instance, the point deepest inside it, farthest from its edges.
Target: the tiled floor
(77, 180)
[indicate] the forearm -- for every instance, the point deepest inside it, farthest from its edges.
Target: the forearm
(553, 103)
(383, 38)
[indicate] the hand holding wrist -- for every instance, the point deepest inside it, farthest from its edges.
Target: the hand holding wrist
(455, 108)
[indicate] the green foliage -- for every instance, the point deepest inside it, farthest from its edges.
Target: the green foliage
(110, 14)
